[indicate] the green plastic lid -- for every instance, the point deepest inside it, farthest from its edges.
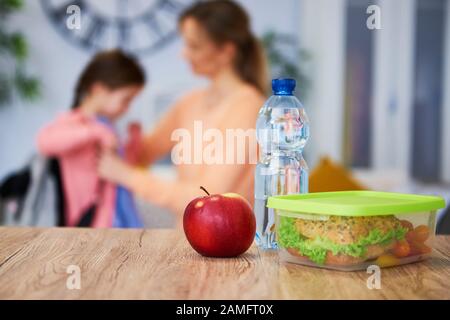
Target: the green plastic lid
(356, 203)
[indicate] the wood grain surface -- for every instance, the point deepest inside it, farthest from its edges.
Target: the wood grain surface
(160, 264)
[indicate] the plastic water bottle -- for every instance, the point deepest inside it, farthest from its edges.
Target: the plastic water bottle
(282, 132)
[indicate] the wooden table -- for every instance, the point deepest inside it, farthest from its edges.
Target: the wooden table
(160, 264)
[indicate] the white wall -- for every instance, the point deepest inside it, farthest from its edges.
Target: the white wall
(57, 63)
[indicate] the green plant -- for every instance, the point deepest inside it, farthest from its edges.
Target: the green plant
(286, 60)
(13, 54)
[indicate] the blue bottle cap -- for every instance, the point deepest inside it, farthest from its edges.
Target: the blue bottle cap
(283, 87)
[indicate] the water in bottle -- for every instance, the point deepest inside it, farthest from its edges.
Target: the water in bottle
(282, 132)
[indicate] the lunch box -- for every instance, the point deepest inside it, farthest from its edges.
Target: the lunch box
(351, 230)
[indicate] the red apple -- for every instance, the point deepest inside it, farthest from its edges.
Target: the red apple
(219, 225)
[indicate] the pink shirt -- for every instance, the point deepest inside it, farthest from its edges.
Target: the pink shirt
(75, 139)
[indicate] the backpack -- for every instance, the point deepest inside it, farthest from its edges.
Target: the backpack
(33, 196)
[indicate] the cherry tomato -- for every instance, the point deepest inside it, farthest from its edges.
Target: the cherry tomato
(410, 236)
(407, 225)
(419, 248)
(422, 233)
(401, 249)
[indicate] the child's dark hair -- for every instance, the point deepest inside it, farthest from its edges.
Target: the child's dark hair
(113, 68)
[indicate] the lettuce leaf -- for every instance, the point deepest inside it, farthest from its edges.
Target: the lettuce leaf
(316, 249)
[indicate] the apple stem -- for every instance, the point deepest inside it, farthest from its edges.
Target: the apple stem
(205, 190)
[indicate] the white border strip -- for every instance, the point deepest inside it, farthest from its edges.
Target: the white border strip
(404, 83)
(323, 34)
(445, 165)
(393, 82)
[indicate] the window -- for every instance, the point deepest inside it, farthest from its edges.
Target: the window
(428, 90)
(358, 86)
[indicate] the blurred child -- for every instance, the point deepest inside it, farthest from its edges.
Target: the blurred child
(104, 91)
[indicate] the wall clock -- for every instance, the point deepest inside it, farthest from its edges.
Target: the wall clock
(137, 26)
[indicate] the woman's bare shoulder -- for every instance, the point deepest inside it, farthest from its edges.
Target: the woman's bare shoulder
(187, 101)
(250, 96)
(192, 96)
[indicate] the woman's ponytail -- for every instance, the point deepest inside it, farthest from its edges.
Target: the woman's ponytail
(252, 66)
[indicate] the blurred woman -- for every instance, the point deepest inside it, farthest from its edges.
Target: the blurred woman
(218, 45)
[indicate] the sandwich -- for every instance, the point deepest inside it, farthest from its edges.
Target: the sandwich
(340, 240)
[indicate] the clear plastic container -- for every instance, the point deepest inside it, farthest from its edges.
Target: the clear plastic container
(351, 230)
